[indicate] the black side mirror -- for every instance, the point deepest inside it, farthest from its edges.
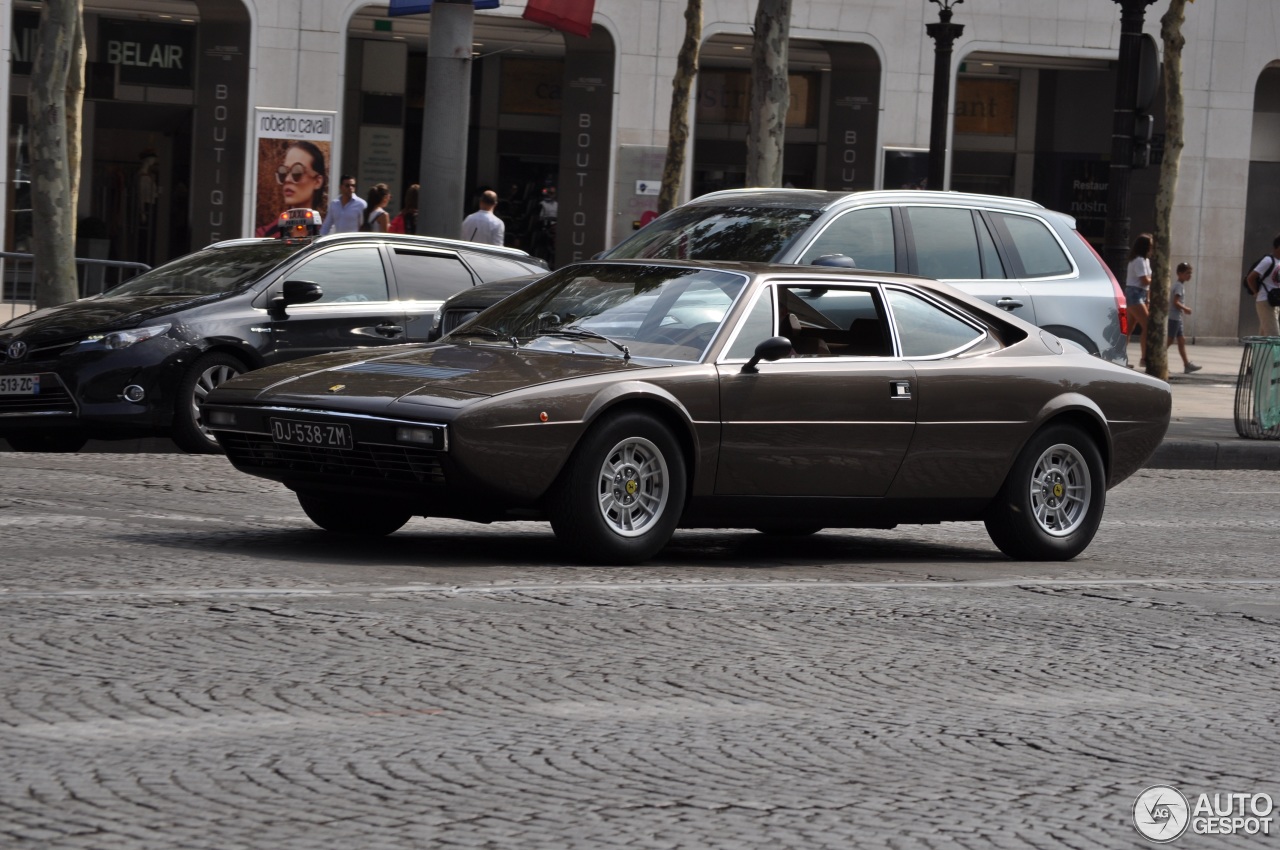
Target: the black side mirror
(295, 292)
(771, 349)
(839, 261)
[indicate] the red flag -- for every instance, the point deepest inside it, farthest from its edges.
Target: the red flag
(572, 16)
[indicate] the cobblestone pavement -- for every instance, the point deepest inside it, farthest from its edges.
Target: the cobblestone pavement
(186, 663)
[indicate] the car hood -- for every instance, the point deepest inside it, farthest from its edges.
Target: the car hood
(436, 374)
(90, 315)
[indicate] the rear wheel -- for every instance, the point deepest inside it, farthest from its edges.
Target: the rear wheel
(59, 442)
(622, 493)
(342, 516)
(1051, 503)
(190, 431)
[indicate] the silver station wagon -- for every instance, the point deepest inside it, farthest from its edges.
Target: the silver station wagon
(1013, 253)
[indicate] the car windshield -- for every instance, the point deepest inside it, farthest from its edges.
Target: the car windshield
(707, 232)
(615, 310)
(209, 272)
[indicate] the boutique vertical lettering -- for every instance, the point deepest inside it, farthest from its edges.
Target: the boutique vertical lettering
(581, 162)
(217, 194)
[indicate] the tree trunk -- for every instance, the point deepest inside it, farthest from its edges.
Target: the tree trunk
(770, 93)
(57, 88)
(678, 124)
(1162, 268)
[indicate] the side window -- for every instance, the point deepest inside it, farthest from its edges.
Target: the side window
(1034, 246)
(945, 242)
(755, 329)
(833, 321)
(925, 329)
(422, 276)
(346, 275)
(864, 235)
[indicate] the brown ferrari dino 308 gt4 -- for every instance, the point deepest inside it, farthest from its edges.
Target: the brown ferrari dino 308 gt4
(623, 400)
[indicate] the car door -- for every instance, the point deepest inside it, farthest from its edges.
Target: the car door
(356, 309)
(833, 422)
(954, 244)
(424, 278)
(972, 413)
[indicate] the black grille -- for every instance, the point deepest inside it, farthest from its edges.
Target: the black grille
(453, 318)
(41, 353)
(52, 399)
(387, 463)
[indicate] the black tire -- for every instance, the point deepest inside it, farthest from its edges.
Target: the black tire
(344, 516)
(55, 442)
(209, 371)
(789, 530)
(619, 499)
(1051, 502)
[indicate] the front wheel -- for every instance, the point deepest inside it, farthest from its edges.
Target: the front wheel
(1051, 503)
(190, 431)
(622, 493)
(367, 519)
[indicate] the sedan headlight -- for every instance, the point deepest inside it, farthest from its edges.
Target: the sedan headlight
(124, 339)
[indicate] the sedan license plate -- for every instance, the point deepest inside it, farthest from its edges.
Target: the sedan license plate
(20, 385)
(318, 434)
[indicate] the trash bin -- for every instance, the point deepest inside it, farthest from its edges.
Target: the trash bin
(1258, 389)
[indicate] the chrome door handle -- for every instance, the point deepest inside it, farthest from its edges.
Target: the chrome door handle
(389, 330)
(900, 389)
(1008, 303)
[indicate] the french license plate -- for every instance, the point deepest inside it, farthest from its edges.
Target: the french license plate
(319, 434)
(20, 385)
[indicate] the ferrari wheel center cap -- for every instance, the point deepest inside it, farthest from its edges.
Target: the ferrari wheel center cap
(1058, 490)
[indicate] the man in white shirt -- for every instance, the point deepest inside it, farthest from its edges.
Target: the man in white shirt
(1265, 276)
(345, 211)
(482, 225)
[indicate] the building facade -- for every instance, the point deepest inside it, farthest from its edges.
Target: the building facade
(192, 106)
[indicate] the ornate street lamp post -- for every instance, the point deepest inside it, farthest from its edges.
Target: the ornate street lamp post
(944, 35)
(1116, 240)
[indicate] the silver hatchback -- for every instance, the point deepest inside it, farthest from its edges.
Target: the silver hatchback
(1013, 253)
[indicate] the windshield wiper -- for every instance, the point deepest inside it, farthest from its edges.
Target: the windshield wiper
(579, 332)
(481, 330)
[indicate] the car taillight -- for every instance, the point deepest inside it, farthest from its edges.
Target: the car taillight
(1121, 304)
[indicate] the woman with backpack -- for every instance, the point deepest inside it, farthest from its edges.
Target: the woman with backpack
(1265, 278)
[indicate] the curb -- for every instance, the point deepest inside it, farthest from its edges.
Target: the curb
(1212, 455)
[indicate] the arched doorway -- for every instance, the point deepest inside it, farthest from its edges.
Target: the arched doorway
(832, 122)
(1262, 208)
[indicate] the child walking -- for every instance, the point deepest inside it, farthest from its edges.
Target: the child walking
(1177, 309)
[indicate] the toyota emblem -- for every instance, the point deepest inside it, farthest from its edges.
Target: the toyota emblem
(16, 350)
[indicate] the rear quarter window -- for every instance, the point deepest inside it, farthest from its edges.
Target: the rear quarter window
(1033, 248)
(423, 276)
(488, 267)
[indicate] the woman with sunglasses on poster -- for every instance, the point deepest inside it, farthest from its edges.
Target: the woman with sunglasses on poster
(302, 181)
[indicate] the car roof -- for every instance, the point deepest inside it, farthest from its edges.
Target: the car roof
(818, 199)
(399, 238)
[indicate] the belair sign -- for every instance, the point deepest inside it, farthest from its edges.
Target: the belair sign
(145, 54)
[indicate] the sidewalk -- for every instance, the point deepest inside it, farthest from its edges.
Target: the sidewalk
(1202, 431)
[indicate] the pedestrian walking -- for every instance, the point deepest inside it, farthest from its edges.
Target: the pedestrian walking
(1137, 289)
(376, 217)
(482, 225)
(406, 221)
(1177, 309)
(1265, 277)
(345, 211)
